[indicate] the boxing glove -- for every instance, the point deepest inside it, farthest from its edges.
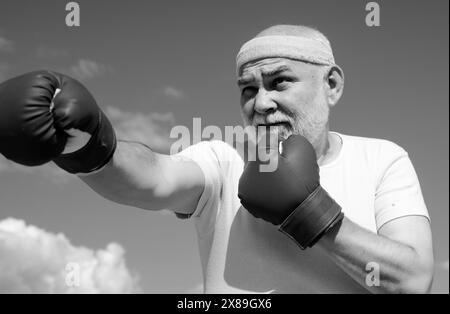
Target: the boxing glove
(40, 114)
(290, 196)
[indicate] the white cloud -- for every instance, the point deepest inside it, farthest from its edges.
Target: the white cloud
(173, 93)
(151, 129)
(6, 45)
(88, 69)
(36, 261)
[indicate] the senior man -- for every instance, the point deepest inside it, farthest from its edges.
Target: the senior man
(350, 209)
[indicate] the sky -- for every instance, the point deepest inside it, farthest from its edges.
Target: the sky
(152, 65)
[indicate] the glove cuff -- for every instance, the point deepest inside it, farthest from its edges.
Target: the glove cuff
(95, 154)
(312, 219)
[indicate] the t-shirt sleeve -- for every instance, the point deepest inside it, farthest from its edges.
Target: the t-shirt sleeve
(204, 155)
(217, 160)
(398, 193)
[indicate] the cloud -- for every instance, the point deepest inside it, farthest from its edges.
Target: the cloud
(173, 93)
(88, 69)
(36, 261)
(151, 129)
(6, 45)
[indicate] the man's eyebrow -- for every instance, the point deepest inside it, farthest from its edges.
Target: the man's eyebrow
(246, 80)
(278, 70)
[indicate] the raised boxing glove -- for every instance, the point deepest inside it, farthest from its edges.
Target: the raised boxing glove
(291, 196)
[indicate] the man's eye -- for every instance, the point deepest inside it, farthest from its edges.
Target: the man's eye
(249, 91)
(279, 82)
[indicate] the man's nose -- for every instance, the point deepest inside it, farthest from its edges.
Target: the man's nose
(264, 103)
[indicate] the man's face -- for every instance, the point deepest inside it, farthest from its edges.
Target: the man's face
(285, 94)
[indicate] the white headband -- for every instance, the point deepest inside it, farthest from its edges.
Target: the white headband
(291, 47)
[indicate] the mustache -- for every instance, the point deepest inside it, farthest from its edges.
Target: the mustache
(275, 118)
(272, 121)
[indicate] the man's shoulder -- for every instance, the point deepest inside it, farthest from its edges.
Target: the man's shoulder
(371, 145)
(372, 153)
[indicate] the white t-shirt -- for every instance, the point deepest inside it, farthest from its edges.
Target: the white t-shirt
(373, 180)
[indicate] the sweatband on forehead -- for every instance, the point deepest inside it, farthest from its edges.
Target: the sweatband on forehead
(292, 47)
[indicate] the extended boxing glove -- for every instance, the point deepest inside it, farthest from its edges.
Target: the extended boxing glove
(291, 196)
(42, 112)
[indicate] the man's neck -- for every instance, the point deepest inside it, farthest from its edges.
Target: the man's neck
(329, 148)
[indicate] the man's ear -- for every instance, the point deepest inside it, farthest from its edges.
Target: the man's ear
(334, 80)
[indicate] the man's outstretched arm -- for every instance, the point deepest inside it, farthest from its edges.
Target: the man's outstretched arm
(48, 116)
(139, 177)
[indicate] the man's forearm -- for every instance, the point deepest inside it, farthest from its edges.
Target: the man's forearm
(352, 248)
(124, 173)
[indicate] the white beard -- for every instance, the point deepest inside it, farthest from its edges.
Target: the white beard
(313, 123)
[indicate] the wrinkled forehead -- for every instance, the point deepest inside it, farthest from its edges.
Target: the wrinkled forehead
(270, 67)
(266, 66)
